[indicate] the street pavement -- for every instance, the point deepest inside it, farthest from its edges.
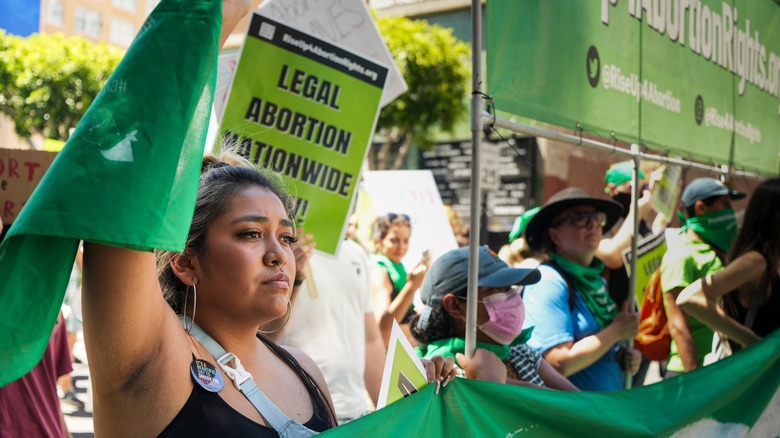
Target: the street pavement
(79, 420)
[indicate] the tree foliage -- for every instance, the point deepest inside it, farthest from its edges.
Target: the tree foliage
(47, 81)
(435, 66)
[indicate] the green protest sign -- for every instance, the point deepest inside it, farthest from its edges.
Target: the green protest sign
(649, 253)
(307, 109)
(699, 79)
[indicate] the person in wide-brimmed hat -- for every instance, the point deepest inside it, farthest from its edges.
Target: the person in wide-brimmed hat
(577, 325)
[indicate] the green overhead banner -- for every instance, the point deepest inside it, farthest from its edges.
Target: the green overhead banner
(307, 109)
(737, 396)
(695, 78)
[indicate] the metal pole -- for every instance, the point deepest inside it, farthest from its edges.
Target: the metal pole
(635, 206)
(476, 193)
(576, 140)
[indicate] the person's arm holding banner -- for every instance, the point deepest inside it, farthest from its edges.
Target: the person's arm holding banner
(698, 299)
(680, 331)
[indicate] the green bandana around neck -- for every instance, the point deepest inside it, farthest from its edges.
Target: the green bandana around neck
(397, 271)
(588, 282)
(450, 346)
(718, 228)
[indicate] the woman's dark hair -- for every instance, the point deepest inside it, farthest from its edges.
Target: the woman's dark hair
(221, 177)
(383, 223)
(439, 325)
(760, 230)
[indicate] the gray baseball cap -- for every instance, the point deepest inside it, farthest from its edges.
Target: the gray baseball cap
(449, 274)
(703, 188)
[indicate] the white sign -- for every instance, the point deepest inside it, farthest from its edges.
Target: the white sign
(347, 23)
(413, 192)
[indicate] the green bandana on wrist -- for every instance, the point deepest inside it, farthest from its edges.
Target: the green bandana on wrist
(718, 228)
(588, 282)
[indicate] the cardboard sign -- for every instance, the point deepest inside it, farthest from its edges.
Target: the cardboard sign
(307, 109)
(345, 22)
(20, 172)
(666, 190)
(404, 374)
(650, 251)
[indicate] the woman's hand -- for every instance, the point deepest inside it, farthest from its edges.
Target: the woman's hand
(439, 369)
(302, 252)
(484, 365)
(234, 10)
(626, 323)
(630, 360)
(415, 278)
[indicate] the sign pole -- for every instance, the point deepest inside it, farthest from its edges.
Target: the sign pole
(476, 193)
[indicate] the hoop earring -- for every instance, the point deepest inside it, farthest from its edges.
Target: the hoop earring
(289, 314)
(194, 305)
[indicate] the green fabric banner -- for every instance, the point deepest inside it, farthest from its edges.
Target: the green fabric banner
(698, 79)
(127, 177)
(307, 109)
(727, 398)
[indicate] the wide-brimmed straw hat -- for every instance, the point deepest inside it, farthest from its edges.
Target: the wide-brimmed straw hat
(561, 201)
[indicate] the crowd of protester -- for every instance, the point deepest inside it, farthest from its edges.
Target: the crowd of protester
(555, 314)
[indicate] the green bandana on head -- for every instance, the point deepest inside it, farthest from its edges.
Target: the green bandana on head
(718, 228)
(620, 173)
(590, 285)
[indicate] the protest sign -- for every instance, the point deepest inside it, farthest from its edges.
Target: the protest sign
(649, 253)
(20, 172)
(404, 374)
(347, 23)
(666, 190)
(412, 192)
(307, 109)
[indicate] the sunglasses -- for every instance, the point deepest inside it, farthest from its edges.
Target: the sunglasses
(393, 216)
(581, 219)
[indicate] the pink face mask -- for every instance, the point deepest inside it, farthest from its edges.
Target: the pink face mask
(506, 313)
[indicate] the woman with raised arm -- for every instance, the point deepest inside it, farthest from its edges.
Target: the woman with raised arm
(392, 289)
(749, 287)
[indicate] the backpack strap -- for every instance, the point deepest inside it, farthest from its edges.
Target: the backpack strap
(569, 283)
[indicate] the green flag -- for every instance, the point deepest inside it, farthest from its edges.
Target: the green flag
(127, 177)
(728, 398)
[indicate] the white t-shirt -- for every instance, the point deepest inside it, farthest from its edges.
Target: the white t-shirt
(331, 327)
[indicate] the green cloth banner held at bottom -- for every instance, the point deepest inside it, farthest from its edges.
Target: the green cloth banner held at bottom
(127, 177)
(723, 399)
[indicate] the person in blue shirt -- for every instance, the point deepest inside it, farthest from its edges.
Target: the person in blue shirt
(577, 325)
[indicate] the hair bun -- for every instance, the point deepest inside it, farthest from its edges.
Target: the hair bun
(211, 162)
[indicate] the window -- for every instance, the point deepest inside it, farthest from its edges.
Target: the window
(55, 12)
(122, 32)
(127, 5)
(88, 21)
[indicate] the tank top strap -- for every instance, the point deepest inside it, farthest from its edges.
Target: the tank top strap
(284, 426)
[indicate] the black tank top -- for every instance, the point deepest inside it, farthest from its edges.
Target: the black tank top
(768, 314)
(206, 414)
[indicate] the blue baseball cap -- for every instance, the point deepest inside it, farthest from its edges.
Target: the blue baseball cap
(703, 188)
(449, 274)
